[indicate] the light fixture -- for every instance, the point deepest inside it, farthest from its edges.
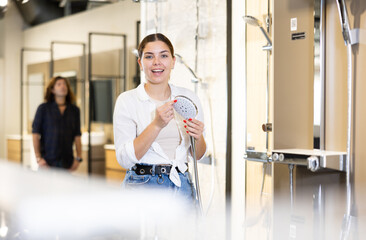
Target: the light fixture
(3, 3)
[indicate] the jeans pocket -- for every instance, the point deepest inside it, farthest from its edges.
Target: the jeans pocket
(134, 179)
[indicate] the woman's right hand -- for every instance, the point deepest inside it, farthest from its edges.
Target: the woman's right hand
(164, 114)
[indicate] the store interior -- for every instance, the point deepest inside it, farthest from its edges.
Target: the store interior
(281, 85)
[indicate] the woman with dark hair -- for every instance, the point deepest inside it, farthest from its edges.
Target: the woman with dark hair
(56, 127)
(151, 139)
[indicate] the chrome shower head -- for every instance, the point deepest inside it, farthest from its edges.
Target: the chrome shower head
(185, 107)
(179, 58)
(252, 20)
(255, 22)
(135, 52)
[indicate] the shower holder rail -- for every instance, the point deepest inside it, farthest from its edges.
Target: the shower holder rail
(252, 155)
(313, 159)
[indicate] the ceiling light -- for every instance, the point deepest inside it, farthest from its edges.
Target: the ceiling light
(3, 3)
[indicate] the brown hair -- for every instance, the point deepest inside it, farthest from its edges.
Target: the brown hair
(49, 97)
(153, 38)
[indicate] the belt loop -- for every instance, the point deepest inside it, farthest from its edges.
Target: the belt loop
(153, 170)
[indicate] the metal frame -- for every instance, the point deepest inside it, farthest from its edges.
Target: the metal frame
(137, 77)
(22, 51)
(228, 171)
(322, 74)
(83, 69)
(90, 76)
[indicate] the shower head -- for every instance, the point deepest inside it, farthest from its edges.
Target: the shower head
(179, 58)
(135, 52)
(185, 107)
(255, 22)
(252, 21)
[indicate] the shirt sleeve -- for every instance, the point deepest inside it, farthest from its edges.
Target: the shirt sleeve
(37, 122)
(124, 129)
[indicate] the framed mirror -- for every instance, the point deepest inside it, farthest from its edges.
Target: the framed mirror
(102, 98)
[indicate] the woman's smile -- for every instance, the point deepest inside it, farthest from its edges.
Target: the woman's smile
(157, 72)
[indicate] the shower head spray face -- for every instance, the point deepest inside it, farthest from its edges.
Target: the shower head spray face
(185, 107)
(252, 21)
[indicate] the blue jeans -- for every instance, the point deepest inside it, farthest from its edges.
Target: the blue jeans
(161, 182)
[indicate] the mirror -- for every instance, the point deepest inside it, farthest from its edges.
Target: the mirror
(102, 100)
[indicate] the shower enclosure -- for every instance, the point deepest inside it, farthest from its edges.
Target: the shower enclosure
(292, 174)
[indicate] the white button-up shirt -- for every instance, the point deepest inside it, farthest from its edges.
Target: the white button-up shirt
(133, 112)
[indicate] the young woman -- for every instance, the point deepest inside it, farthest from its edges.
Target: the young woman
(152, 140)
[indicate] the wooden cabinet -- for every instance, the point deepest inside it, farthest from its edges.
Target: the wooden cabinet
(13, 146)
(113, 171)
(13, 152)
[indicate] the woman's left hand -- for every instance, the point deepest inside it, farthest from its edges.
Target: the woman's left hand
(74, 166)
(194, 127)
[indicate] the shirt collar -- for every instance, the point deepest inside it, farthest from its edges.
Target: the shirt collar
(53, 102)
(141, 92)
(174, 90)
(143, 96)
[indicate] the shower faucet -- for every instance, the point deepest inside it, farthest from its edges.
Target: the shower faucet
(255, 22)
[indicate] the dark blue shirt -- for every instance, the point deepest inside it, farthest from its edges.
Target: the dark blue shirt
(58, 132)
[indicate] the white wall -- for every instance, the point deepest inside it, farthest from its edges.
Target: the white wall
(2, 108)
(2, 102)
(177, 20)
(9, 90)
(119, 18)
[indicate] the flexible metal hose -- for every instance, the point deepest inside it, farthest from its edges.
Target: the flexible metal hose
(346, 226)
(196, 179)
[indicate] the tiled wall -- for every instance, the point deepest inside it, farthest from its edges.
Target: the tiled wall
(178, 21)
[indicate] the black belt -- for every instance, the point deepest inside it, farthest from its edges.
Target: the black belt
(148, 169)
